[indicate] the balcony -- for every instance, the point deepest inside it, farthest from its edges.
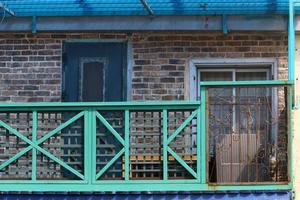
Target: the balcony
(236, 136)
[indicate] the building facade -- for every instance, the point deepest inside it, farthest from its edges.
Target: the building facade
(193, 104)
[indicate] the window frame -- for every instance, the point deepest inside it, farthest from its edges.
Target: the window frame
(242, 63)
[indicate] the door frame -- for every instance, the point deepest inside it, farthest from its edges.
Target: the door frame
(127, 61)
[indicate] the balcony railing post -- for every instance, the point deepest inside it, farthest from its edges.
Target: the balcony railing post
(198, 143)
(290, 94)
(87, 146)
(165, 144)
(203, 134)
(34, 140)
(127, 130)
(93, 155)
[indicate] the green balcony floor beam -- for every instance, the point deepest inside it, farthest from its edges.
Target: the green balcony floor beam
(144, 186)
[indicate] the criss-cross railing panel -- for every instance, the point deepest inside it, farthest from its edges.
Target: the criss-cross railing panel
(99, 143)
(45, 150)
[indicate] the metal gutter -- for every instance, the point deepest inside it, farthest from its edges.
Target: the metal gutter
(145, 23)
(161, 196)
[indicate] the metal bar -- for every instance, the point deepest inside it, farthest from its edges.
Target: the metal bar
(110, 163)
(182, 126)
(241, 83)
(6, 9)
(291, 42)
(224, 24)
(165, 144)
(203, 139)
(34, 137)
(188, 168)
(33, 25)
(147, 7)
(127, 144)
(110, 128)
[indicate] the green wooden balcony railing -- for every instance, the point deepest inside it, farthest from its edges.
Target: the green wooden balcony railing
(99, 146)
(142, 146)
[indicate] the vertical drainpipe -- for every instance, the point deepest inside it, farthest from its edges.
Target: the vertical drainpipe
(291, 77)
(291, 43)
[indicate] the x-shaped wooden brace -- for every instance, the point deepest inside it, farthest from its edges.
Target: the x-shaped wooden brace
(35, 144)
(118, 137)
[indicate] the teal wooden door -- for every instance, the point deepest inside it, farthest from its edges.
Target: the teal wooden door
(94, 72)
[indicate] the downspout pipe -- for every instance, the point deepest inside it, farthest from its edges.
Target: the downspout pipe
(291, 42)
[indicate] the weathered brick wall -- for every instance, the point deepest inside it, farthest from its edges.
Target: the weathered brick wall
(161, 60)
(30, 65)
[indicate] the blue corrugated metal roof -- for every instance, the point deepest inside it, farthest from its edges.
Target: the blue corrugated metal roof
(136, 7)
(211, 196)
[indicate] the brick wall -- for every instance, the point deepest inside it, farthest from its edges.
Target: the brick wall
(161, 60)
(30, 65)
